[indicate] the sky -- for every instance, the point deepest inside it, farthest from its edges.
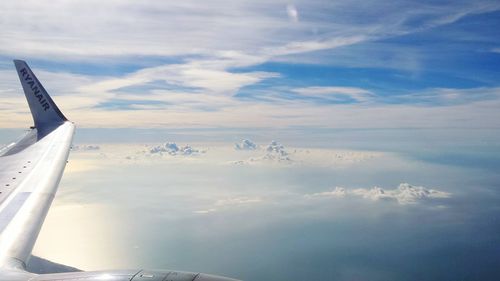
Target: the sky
(335, 140)
(340, 64)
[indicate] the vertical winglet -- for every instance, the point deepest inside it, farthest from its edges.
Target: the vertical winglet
(45, 113)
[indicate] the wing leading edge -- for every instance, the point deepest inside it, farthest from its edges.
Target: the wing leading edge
(30, 171)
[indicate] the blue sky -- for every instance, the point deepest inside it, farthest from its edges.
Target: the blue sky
(255, 64)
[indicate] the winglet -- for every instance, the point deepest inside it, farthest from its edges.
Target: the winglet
(45, 113)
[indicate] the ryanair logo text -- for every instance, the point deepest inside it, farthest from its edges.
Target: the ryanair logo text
(34, 88)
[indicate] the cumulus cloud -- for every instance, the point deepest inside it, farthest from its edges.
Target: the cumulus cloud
(274, 153)
(404, 194)
(245, 145)
(171, 148)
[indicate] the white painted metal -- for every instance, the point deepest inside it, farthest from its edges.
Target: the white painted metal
(23, 211)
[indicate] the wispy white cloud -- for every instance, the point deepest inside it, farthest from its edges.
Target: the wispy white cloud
(82, 98)
(110, 31)
(211, 75)
(336, 93)
(443, 96)
(292, 12)
(205, 211)
(238, 201)
(230, 202)
(34, 29)
(297, 47)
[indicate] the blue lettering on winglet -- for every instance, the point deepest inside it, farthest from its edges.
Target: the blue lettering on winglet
(35, 89)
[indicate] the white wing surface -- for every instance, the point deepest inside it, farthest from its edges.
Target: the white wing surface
(30, 171)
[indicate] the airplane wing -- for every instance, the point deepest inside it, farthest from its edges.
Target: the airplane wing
(30, 171)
